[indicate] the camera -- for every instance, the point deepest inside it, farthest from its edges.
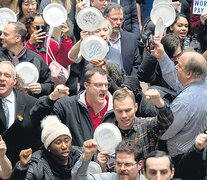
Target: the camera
(151, 44)
(38, 27)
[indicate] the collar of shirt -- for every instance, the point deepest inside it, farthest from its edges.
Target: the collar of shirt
(116, 43)
(10, 101)
(127, 132)
(10, 97)
(97, 118)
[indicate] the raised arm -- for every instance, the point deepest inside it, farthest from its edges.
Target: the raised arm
(164, 119)
(169, 73)
(191, 165)
(5, 164)
(79, 171)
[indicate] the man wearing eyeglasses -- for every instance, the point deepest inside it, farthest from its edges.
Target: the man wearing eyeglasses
(82, 113)
(125, 42)
(128, 162)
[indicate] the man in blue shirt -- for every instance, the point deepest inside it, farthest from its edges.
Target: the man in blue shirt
(187, 74)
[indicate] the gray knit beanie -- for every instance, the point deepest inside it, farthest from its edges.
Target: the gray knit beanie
(51, 129)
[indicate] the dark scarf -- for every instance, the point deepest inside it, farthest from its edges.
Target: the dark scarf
(61, 171)
(15, 58)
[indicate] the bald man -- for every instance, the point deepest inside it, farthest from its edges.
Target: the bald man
(188, 74)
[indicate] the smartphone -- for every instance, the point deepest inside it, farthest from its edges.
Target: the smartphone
(38, 27)
(151, 45)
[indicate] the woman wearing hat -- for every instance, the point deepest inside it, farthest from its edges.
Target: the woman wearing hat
(55, 160)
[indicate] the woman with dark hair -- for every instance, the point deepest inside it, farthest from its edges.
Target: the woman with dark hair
(27, 7)
(181, 28)
(38, 40)
(46, 46)
(69, 5)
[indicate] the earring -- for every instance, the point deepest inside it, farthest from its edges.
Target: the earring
(48, 150)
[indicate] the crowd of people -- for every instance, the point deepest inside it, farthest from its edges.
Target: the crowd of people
(47, 128)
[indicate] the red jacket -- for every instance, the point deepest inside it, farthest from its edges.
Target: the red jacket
(60, 52)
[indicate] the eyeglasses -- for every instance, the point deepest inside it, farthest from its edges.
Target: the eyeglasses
(116, 19)
(100, 85)
(176, 57)
(30, 3)
(127, 165)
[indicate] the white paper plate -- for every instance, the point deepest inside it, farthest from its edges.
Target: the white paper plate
(108, 136)
(161, 1)
(164, 10)
(89, 18)
(28, 72)
(93, 47)
(94, 168)
(6, 15)
(54, 14)
(159, 28)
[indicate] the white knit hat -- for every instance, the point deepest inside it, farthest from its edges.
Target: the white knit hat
(51, 129)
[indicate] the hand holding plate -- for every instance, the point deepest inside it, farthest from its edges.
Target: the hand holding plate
(84, 33)
(64, 29)
(103, 159)
(97, 62)
(80, 6)
(35, 88)
(158, 50)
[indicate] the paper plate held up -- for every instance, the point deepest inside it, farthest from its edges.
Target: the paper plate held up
(165, 11)
(89, 18)
(93, 47)
(94, 168)
(159, 28)
(27, 72)
(54, 14)
(160, 1)
(6, 16)
(108, 136)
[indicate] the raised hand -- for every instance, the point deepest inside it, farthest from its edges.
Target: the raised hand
(84, 33)
(203, 18)
(158, 51)
(3, 147)
(64, 29)
(25, 155)
(201, 141)
(59, 92)
(153, 96)
(80, 6)
(97, 62)
(90, 147)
